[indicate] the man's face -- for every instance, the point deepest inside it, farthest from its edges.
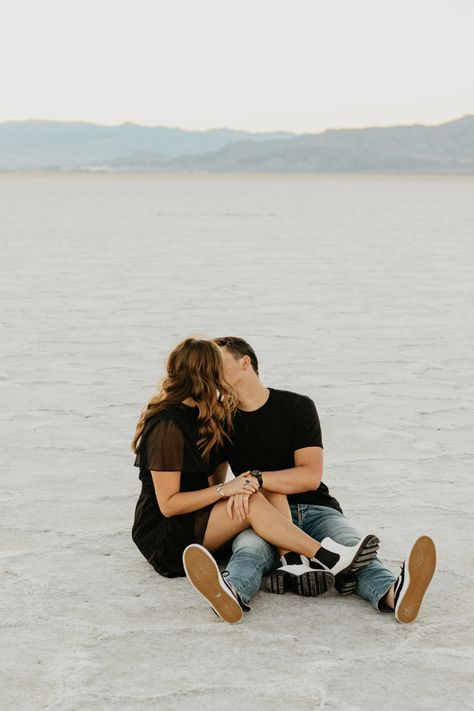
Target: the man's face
(232, 367)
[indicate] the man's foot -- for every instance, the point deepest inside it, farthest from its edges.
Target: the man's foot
(296, 574)
(417, 570)
(338, 559)
(204, 575)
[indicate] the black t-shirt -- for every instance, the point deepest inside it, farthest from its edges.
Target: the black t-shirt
(267, 439)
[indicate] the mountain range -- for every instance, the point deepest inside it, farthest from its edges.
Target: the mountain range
(48, 145)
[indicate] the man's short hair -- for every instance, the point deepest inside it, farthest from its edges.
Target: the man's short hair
(238, 348)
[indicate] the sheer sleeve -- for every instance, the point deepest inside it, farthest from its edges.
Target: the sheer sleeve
(164, 448)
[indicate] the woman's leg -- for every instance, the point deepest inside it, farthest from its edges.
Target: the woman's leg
(220, 528)
(265, 520)
(280, 502)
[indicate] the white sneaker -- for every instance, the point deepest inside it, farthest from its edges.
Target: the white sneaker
(417, 570)
(351, 558)
(205, 577)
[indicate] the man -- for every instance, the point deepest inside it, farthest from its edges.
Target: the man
(277, 437)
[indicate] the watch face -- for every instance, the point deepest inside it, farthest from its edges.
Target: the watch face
(258, 476)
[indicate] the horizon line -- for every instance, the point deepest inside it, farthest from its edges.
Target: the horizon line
(227, 128)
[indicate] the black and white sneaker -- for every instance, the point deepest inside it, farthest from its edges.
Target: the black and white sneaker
(204, 575)
(298, 575)
(338, 559)
(417, 570)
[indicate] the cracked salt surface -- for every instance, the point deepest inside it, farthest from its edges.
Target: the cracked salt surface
(365, 308)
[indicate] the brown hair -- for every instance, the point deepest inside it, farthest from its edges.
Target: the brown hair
(195, 370)
(238, 348)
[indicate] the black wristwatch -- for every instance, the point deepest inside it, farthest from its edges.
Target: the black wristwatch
(258, 476)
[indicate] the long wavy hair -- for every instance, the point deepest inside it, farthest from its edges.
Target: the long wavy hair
(195, 370)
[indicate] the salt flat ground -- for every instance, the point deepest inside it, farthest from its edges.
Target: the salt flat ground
(355, 290)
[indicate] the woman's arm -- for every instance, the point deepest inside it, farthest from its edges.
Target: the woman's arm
(172, 502)
(219, 475)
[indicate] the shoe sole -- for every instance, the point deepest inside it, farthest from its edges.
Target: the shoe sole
(366, 553)
(419, 570)
(346, 585)
(345, 582)
(309, 584)
(204, 575)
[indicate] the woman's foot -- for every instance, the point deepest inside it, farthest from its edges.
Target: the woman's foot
(338, 559)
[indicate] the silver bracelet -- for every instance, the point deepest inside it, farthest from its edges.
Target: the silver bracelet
(219, 489)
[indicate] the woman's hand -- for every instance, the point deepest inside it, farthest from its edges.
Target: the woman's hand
(243, 484)
(238, 504)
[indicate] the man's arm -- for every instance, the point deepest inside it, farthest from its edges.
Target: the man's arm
(304, 476)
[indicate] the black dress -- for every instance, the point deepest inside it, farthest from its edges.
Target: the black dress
(169, 444)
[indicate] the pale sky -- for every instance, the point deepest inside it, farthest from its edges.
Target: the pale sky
(297, 65)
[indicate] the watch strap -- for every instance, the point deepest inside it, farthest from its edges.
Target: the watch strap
(258, 476)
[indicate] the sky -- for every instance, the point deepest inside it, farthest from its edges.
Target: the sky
(258, 65)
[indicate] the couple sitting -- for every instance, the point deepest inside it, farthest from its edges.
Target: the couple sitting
(276, 512)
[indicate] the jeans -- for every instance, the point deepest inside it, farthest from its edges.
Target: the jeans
(252, 557)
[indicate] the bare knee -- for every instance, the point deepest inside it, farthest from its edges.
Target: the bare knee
(256, 501)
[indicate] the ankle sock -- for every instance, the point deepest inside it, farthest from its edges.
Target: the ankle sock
(326, 557)
(291, 559)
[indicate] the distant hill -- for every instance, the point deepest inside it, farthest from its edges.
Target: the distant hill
(433, 149)
(29, 145)
(445, 148)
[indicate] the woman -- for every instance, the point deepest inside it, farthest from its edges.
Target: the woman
(179, 443)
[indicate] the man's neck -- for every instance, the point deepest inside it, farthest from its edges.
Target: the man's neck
(252, 395)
